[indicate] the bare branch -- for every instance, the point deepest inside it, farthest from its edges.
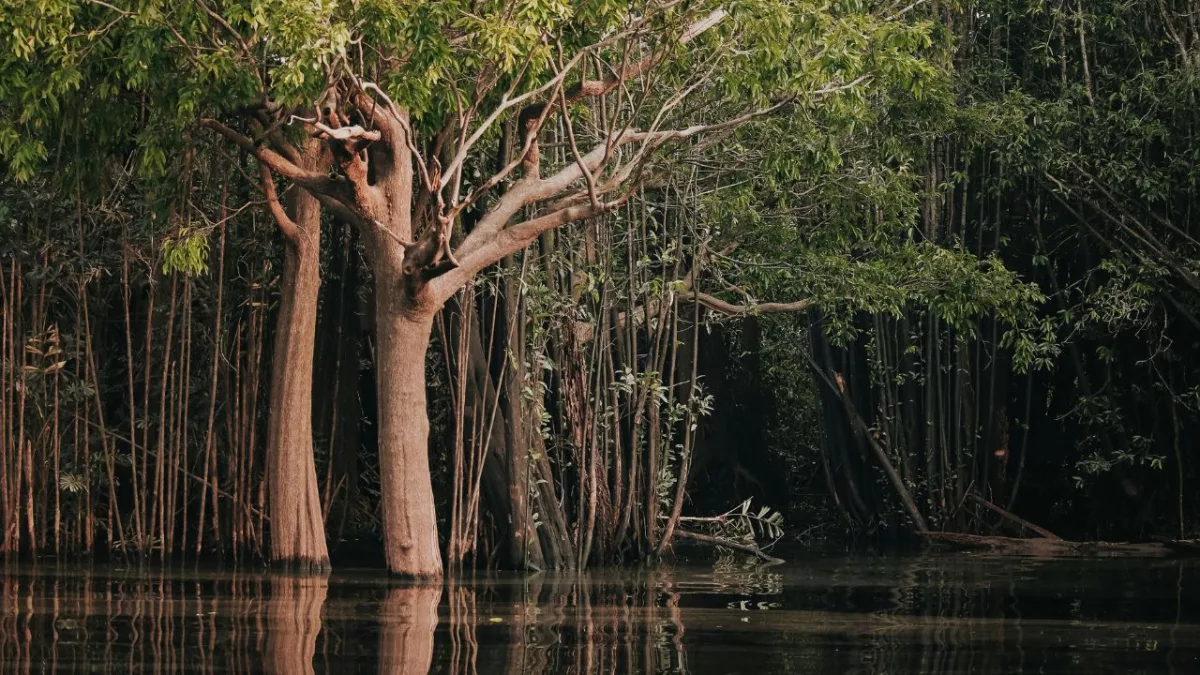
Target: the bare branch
(585, 89)
(729, 544)
(906, 10)
(109, 6)
(344, 134)
(513, 239)
(491, 239)
(714, 18)
(507, 104)
(1170, 25)
(587, 174)
(718, 305)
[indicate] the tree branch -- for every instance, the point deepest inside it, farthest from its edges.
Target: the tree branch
(312, 180)
(513, 239)
(285, 223)
(725, 543)
(524, 193)
(718, 305)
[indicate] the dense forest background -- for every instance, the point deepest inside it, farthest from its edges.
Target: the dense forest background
(962, 280)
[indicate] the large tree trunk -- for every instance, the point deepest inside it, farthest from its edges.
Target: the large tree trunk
(409, 524)
(294, 503)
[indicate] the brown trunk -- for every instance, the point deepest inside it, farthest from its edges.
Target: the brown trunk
(294, 502)
(409, 523)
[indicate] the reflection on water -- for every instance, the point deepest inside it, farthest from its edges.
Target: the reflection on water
(869, 616)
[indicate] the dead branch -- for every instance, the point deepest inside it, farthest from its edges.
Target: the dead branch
(732, 545)
(1042, 532)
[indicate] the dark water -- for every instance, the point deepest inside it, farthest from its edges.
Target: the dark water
(845, 615)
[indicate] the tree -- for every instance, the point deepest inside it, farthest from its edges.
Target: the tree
(408, 236)
(56, 82)
(297, 525)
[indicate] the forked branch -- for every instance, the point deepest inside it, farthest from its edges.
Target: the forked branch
(312, 180)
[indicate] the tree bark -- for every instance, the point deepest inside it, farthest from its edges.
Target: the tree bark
(409, 523)
(294, 501)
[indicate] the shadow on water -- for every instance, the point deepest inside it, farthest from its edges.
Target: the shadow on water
(861, 615)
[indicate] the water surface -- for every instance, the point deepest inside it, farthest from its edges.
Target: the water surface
(824, 615)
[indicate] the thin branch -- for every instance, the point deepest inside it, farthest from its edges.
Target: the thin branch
(226, 25)
(718, 305)
(1170, 25)
(585, 89)
(906, 10)
(400, 121)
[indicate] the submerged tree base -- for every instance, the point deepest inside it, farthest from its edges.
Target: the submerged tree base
(302, 565)
(422, 579)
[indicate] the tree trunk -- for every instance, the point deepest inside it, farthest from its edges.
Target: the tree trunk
(294, 502)
(409, 524)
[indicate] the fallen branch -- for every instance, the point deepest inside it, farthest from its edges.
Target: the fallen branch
(1180, 546)
(1046, 548)
(860, 428)
(732, 545)
(1041, 532)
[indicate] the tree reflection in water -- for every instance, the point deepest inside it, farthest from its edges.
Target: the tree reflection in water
(407, 623)
(916, 616)
(294, 622)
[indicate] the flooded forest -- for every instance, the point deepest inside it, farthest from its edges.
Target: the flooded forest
(574, 293)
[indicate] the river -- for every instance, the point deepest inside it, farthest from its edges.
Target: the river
(820, 615)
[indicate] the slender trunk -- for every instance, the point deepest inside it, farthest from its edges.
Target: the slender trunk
(409, 522)
(508, 353)
(294, 499)
(209, 457)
